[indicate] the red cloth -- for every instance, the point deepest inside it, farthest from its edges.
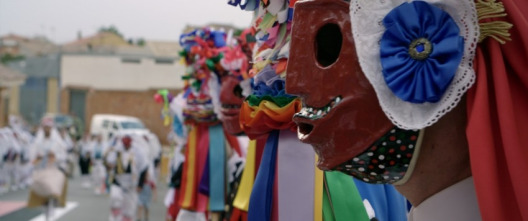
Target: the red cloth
(259, 151)
(172, 211)
(198, 200)
(202, 150)
(497, 108)
(238, 215)
(233, 141)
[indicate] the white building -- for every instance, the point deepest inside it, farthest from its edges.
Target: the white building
(126, 69)
(120, 79)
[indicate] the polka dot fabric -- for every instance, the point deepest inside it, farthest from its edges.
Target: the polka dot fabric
(386, 161)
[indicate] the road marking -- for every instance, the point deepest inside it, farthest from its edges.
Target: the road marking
(8, 207)
(58, 212)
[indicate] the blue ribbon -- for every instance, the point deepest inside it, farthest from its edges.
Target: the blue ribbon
(187, 39)
(420, 80)
(234, 2)
(261, 200)
(387, 203)
(290, 14)
(218, 38)
(276, 89)
(177, 126)
(216, 168)
(205, 180)
(250, 5)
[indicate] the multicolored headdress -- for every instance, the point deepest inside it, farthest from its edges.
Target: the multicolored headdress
(269, 107)
(236, 84)
(202, 55)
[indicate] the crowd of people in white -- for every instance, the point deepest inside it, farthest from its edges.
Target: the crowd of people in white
(124, 166)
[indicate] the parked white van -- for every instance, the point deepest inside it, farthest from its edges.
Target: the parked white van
(109, 124)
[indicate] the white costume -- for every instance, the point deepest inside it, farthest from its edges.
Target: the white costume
(98, 169)
(84, 146)
(154, 154)
(127, 166)
(42, 146)
(3, 170)
(85, 159)
(455, 203)
(12, 164)
(154, 146)
(178, 136)
(150, 149)
(24, 140)
(70, 153)
(41, 152)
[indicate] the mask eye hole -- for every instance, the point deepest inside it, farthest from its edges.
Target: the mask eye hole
(328, 43)
(238, 91)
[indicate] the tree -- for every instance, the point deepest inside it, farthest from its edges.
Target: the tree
(110, 29)
(6, 58)
(140, 42)
(137, 42)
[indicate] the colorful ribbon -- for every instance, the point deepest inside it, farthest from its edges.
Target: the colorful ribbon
(387, 203)
(248, 176)
(193, 168)
(203, 187)
(202, 150)
(257, 121)
(343, 201)
(295, 178)
(233, 143)
(318, 192)
(187, 199)
(217, 160)
(261, 201)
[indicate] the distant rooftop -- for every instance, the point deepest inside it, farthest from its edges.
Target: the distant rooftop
(38, 66)
(105, 43)
(101, 43)
(26, 46)
(164, 48)
(10, 77)
(215, 26)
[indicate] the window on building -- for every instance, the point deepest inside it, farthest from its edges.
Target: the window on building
(131, 60)
(106, 124)
(163, 61)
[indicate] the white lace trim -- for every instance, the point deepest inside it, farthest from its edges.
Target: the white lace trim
(367, 27)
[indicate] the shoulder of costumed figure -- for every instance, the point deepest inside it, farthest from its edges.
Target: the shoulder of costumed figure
(487, 66)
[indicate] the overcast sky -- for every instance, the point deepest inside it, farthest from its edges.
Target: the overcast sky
(60, 20)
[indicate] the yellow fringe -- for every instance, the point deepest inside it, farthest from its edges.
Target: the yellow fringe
(498, 30)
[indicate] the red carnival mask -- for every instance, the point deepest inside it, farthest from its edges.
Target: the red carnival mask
(127, 142)
(341, 116)
(231, 99)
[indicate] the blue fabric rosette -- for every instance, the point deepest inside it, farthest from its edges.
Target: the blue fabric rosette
(420, 51)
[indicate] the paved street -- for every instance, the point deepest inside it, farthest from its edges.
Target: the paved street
(83, 205)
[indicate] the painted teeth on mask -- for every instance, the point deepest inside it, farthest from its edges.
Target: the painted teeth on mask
(230, 106)
(316, 113)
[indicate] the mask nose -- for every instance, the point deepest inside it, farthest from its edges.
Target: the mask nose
(295, 83)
